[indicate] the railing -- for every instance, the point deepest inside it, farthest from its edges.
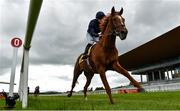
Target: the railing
(163, 87)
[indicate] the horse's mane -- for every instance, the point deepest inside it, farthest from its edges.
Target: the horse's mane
(103, 23)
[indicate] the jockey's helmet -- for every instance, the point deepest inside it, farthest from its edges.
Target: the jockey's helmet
(100, 15)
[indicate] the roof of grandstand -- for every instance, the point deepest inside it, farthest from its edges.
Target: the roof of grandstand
(164, 47)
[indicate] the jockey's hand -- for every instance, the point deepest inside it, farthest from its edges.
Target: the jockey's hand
(100, 35)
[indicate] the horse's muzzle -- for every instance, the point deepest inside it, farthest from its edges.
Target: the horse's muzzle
(123, 35)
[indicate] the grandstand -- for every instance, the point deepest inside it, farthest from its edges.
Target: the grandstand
(158, 60)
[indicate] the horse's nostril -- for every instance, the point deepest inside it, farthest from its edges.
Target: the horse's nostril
(124, 32)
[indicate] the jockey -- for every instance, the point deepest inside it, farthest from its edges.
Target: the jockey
(93, 32)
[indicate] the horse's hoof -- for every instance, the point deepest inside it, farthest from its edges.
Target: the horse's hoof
(141, 90)
(69, 95)
(112, 102)
(86, 98)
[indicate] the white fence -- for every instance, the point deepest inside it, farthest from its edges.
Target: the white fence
(148, 88)
(163, 87)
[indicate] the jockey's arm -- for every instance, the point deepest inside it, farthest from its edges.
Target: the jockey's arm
(91, 29)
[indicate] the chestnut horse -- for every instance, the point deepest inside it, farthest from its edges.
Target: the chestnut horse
(104, 55)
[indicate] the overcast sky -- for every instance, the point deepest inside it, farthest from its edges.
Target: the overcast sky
(60, 36)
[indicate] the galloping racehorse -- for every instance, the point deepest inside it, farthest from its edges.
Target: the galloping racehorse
(104, 55)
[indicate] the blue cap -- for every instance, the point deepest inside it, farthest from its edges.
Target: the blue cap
(100, 15)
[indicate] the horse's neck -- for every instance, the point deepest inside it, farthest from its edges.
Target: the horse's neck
(109, 39)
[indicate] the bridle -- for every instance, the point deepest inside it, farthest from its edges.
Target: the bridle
(113, 30)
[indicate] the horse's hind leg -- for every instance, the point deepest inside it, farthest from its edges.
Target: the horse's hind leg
(117, 67)
(77, 72)
(89, 78)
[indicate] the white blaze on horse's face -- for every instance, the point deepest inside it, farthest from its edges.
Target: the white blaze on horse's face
(118, 23)
(121, 20)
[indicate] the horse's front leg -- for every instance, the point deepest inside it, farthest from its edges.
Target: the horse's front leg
(101, 71)
(117, 67)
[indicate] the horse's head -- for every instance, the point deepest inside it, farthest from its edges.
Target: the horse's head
(118, 22)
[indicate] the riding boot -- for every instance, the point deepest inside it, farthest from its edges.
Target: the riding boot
(85, 54)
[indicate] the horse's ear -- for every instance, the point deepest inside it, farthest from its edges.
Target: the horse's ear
(113, 10)
(121, 11)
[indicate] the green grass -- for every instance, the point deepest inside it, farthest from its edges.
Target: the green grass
(139, 101)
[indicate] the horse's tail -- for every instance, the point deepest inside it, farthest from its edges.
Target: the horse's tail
(77, 71)
(77, 67)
